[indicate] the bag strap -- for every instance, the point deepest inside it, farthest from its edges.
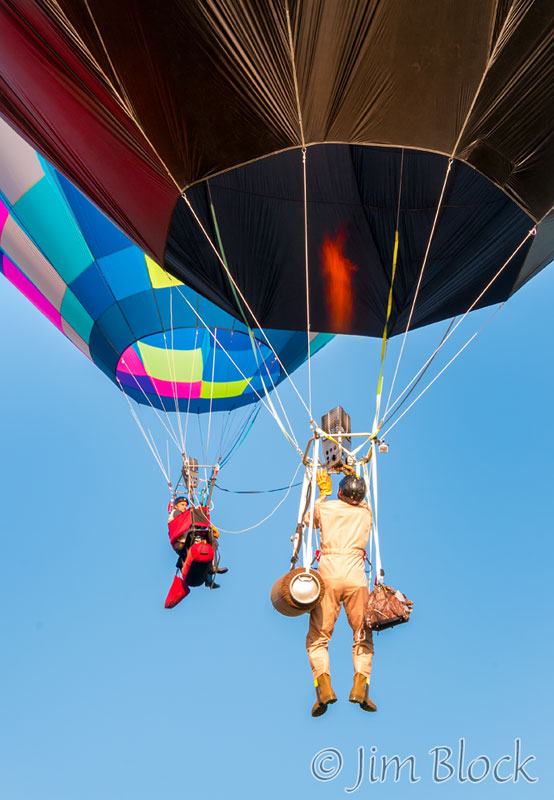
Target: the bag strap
(372, 497)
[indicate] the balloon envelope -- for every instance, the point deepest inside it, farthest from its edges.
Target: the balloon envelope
(136, 106)
(137, 323)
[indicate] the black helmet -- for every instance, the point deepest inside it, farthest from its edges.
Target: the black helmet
(180, 500)
(352, 489)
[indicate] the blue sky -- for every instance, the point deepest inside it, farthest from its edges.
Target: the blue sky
(107, 695)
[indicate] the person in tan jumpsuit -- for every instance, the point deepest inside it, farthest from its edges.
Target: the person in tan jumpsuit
(344, 526)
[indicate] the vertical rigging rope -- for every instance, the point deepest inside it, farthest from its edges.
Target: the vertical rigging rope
(240, 295)
(443, 369)
(174, 371)
(305, 193)
(494, 49)
(190, 379)
(389, 302)
(268, 405)
(138, 422)
(471, 307)
(422, 270)
(307, 271)
(253, 341)
(211, 404)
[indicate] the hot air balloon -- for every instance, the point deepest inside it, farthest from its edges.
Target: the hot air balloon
(163, 345)
(189, 129)
(356, 167)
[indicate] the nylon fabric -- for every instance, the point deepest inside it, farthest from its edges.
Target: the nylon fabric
(371, 75)
(540, 253)
(119, 307)
(352, 204)
(367, 71)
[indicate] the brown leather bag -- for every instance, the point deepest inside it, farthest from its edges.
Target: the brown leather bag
(386, 607)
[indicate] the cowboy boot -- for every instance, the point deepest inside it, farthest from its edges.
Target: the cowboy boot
(360, 693)
(324, 694)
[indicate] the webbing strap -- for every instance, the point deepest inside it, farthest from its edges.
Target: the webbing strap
(370, 542)
(376, 424)
(308, 551)
(375, 528)
(250, 333)
(389, 304)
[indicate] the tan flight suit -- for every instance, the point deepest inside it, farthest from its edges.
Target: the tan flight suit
(344, 532)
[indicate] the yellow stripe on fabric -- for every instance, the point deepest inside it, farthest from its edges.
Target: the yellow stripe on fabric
(223, 389)
(389, 304)
(172, 365)
(159, 278)
(385, 332)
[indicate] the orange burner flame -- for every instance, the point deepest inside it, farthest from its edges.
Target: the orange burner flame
(337, 273)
